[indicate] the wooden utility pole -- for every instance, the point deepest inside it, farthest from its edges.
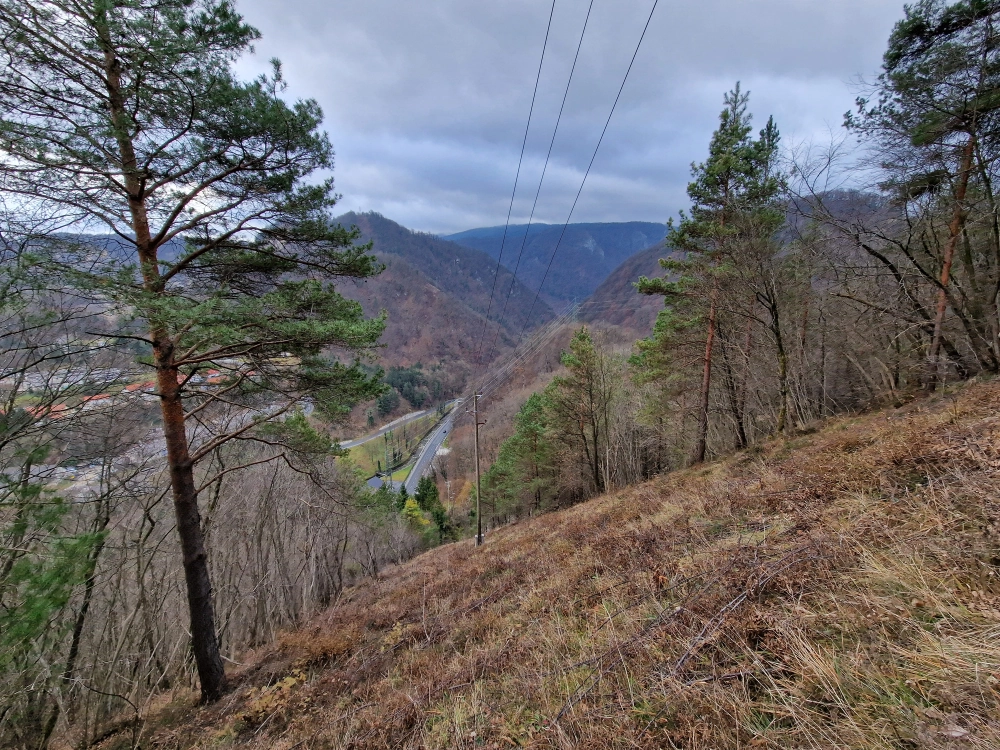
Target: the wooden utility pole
(479, 494)
(388, 465)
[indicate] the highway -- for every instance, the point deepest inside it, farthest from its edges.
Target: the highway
(405, 419)
(430, 449)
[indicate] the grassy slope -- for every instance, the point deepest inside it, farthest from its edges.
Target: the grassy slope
(836, 590)
(369, 456)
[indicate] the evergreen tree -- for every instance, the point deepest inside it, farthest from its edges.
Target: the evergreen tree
(126, 118)
(732, 194)
(402, 497)
(523, 476)
(935, 122)
(578, 405)
(429, 501)
(427, 494)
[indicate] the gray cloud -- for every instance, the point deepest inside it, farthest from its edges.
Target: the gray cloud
(426, 101)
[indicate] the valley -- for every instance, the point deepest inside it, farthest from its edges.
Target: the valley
(361, 400)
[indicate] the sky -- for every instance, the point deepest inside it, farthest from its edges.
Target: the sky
(426, 101)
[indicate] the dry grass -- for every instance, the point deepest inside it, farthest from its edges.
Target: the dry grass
(836, 590)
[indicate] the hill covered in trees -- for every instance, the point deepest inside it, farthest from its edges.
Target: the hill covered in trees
(587, 252)
(764, 518)
(437, 294)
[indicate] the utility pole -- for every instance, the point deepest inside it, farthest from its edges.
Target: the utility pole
(479, 494)
(388, 466)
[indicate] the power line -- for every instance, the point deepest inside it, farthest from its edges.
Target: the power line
(541, 180)
(517, 176)
(502, 373)
(538, 340)
(591, 164)
(540, 337)
(569, 217)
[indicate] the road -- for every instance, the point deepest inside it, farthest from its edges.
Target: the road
(406, 419)
(430, 449)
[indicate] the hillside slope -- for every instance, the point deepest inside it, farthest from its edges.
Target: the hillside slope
(437, 295)
(587, 253)
(837, 589)
(617, 302)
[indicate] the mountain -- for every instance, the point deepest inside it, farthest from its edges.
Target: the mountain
(587, 253)
(616, 301)
(437, 294)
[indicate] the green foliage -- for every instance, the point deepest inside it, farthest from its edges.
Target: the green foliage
(382, 502)
(128, 119)
(297, 434)
(523, 475)
(411, 383)
(430, 503)
(226, 168)
(402, 497)
(39, 581)
(415, 384)
(578, 406)
(41, 567)
(388, 402)
(940, 84)
(738, 179)
(733, 207)
(413, 515)
(427, 494)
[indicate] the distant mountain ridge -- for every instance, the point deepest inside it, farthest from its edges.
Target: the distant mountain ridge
(437, 294)
(588, 253)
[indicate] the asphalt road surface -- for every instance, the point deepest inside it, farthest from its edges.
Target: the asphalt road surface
(430, 449)
(391, 426)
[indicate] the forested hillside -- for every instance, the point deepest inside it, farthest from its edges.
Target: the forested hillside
(836, 590)
(463, 273)
(436, 294)
(587, 253)
(743, 496)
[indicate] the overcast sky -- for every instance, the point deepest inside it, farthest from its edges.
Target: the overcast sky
(426, 100)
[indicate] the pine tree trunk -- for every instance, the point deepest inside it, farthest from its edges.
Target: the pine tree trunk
(701, 443)
(954, 232)
(211, 671)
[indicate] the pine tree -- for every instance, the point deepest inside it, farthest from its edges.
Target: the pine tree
(936, 122)
(426, 494)
(126, 118)
(578, 404)
(731, 195)
(402, 497)
(522, 477)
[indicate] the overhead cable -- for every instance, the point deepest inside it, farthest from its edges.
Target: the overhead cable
(541, 179)
(589, 166)
(520, 161)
